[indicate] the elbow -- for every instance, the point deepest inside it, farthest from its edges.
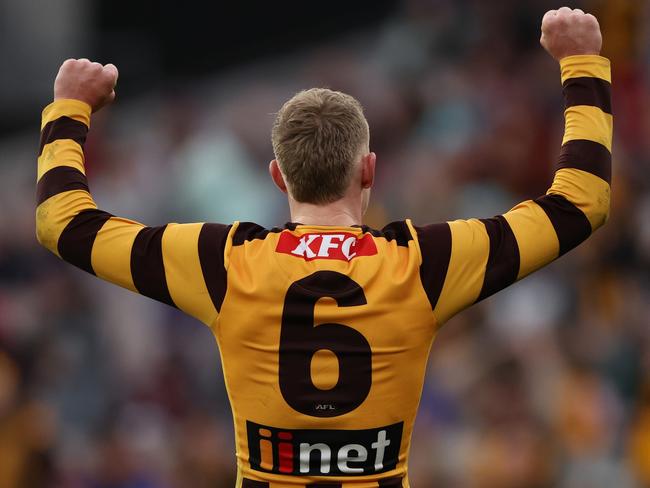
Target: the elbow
(45, 233)
(588, 193)
(599, 213)
(41, 235)
(41, 232)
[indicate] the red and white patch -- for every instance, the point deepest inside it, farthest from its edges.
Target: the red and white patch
(330, 245)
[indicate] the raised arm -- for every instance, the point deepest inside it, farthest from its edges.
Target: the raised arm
(178, 264)
(466, 261)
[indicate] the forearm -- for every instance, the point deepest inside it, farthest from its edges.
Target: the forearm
(62, 188)
(584, 168)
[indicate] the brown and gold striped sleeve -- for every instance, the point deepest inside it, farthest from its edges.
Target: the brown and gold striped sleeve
(182, 265)
(465, 261)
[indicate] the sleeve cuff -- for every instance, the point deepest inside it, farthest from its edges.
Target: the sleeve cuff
(588, 65)
(67, 107)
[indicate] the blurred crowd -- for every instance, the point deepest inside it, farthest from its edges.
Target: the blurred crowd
(544, 385)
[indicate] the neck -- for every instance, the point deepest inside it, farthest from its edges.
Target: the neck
(340, 213)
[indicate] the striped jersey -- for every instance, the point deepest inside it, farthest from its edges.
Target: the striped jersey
(325, 331)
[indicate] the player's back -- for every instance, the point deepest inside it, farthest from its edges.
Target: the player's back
(324, 335)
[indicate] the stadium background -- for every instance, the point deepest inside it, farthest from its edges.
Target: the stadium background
(545, 385)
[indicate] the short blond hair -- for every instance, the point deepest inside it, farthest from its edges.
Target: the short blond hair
(317, 137)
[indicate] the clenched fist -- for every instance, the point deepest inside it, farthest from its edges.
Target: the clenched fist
(567, 32)
(92, 83)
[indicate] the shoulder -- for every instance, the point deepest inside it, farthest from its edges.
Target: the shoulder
(250, 231)
(399, 231)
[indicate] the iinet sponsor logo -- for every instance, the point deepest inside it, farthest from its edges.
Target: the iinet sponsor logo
(323, 452)
(341, 245)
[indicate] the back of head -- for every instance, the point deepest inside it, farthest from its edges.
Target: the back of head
(317, 137)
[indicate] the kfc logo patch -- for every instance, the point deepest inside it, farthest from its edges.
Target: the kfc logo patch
(338, 245)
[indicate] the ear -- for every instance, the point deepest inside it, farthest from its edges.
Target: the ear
(368, 162)
(276, 176)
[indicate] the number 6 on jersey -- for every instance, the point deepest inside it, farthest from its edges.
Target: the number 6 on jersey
(300, 339)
